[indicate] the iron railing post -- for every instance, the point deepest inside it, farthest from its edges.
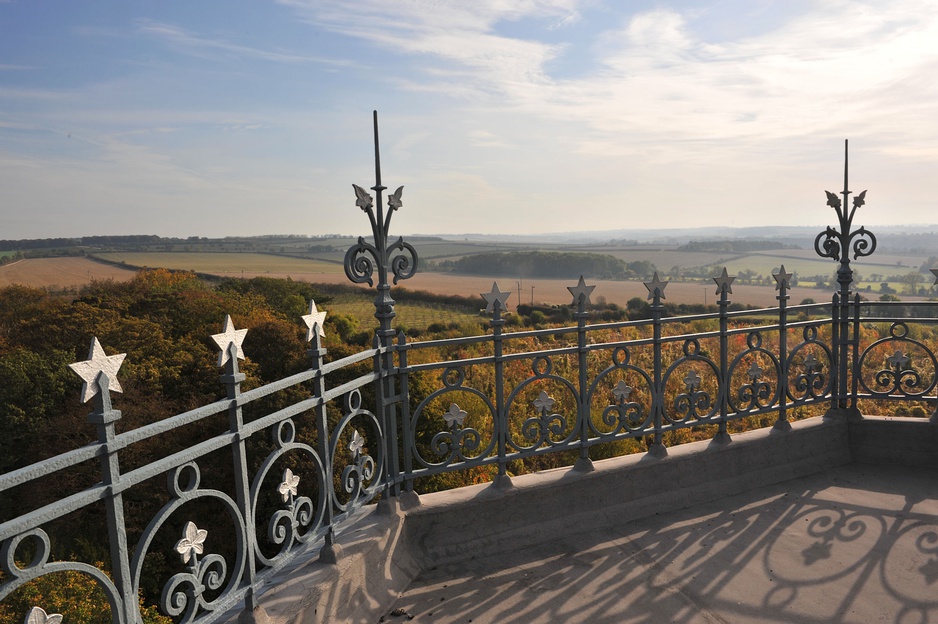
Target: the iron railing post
(104, 419)
(855, 359)
(232, 379)
(384, 393)
(581, 297)
(835, 354)
(724, 289)
(407, 437)
(782, 280)
(330, 551)
(656, 294)
(502, 480)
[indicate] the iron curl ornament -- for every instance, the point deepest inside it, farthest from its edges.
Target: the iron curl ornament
(364, 259)
(839, 244)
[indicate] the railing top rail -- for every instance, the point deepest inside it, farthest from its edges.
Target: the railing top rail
(48, 466)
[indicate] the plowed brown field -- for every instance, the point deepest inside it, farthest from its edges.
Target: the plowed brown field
(59, 273)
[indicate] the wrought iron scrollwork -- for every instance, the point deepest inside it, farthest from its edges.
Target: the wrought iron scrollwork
(756, 393)
(694, 403)
(184, 594)
(364, 259)
(838, 244)
(458, 442)
(625, 413)
(538, 429)
(909, 370)
(810, 381)
(361, 475)
(300, 516)
(546, 427)
(16, 574)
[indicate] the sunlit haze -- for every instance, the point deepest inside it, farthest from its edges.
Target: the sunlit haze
(217, 118)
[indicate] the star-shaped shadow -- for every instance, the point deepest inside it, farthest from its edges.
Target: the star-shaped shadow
(495, 295)
(228, 336)
(581, 290)
(314, 319)
(98, 362)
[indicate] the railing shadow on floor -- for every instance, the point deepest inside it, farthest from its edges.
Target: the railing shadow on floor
(806, 551)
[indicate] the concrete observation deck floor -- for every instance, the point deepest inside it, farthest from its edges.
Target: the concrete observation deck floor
(855, 543)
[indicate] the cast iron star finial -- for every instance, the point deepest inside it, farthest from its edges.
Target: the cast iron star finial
(782, 278)
(313, 319)
(581, 290)
(494, 296)
(229, 335)
(655, 287)
(724, 283)
(98, 362)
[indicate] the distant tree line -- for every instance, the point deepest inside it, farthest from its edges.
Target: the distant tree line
(87, 241)
(735, 245)
(549, 265)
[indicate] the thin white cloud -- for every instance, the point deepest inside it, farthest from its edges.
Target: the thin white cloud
(456, 32)
(836, 66)
(569, 19)
(186, 42)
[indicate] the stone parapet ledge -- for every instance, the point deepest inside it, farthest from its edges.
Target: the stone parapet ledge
(896, 441)
(476, 521)
(382, 554)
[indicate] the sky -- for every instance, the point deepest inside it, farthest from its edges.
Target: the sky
(228, 117)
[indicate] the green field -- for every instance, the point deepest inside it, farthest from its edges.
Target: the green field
(417, 315)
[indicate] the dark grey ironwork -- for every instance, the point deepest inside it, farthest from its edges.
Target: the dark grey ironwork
(362, 260)
(838, 245)
(498, 399)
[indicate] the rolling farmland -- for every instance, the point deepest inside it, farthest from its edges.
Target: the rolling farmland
(60, 273)
(72, 272)
(226, 264)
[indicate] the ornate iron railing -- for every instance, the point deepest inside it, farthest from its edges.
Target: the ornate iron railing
(368, 431)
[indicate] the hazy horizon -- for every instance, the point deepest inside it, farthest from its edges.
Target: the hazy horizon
(641, 235)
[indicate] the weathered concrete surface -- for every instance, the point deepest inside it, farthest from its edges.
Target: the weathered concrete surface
(372, 569)
(856, 543)
(797, 526)
(894, 441)
(477, 521)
